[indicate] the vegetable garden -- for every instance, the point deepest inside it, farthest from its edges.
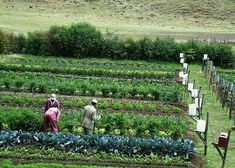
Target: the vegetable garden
(143, 115)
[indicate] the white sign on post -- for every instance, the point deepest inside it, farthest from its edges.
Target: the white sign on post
(201, 125)
(190, 87)
(192, 109)
(200, 103)
(195, 93)
(184, 81)
(205, 57)
(185, 65)
(181, 74)
(181, 60)
(181, 55)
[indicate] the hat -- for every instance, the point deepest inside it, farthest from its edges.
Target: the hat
(53, 96)
(94, 101)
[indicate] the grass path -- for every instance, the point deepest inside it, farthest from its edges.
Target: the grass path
(218, 122)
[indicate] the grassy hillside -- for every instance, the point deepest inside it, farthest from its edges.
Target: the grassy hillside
(182, 19)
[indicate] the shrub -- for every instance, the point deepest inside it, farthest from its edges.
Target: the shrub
(113, 48)
(34, 43)
(24, 119)
(145, 49)
(19, 43)
(165, 49)
(2, 43)
(78, 40)
(83, 40)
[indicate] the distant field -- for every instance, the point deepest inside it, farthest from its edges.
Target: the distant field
(181, 19)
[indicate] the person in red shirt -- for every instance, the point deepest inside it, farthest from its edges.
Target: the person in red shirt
(51, 102)
(51, 117)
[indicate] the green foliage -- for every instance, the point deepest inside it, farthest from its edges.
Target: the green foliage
(2, 43)
(34, 43)
(165, 109)
(101, 143)
(174, 127)
(24, 119)
(83, 40)
(176, 109)
(103, 105)
(165, 49)
(151, 107)
(117, 106)
(129, 106)
(139, 107)
(19, 43)
(78, 40)
(9, 164)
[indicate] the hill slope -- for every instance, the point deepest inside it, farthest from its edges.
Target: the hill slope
(124, 17)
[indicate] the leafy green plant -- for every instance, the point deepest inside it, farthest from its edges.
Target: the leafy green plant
(103, 105)
(117, 106)
(151, 107)
(129, 106)
(6, 99)
(102, 143)
(139, 107)
(165, 109)
(176, 109)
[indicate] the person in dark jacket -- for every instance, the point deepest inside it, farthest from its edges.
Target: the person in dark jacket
(51, 102)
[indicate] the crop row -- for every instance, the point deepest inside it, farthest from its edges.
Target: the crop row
(43, 83)
(100, 143)
(32, 152)
(88, 71)
(78, 103)
(89, 63)
(9, 164)
(229, 76)
(110, 123)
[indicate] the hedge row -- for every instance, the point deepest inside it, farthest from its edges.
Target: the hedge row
(83, 40)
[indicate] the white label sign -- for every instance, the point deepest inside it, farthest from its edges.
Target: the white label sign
(190, 86)
(205, 56)
(185, 65)
(201, 125)
(182, 60)
(195, 93)
(192, 109)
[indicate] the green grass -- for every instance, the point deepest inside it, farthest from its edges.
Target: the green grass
(218, 122)
(179, 18)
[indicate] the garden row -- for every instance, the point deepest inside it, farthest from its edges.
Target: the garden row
(111, 123)
(227, 75)
(101, 143)
(44, 83)
(89, 71)
(34, 154)
(8, 164)
(77, 103)
(83, 40)
(88, 63)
